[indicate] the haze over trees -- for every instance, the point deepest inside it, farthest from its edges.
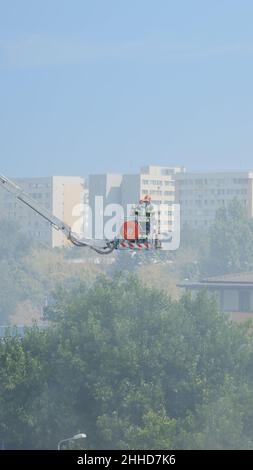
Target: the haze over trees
(230, 241)
(132, 369)
(224, 247)
(119, 358)
(30, 272)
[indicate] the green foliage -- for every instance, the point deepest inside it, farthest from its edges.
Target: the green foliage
(13, 244)
(14, 282)
(131, 368)
(226, 247)
(29, 273)
(231, 241)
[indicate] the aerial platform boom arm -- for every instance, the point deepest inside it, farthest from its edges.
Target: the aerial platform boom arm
(138, 240)
(19, 194)
(104, 248)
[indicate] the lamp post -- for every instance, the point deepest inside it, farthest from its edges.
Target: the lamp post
(74, 438)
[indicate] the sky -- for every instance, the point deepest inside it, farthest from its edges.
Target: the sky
(94, 86)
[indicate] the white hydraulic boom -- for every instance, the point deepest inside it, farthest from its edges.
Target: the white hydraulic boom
(136, 234)
(103, 247)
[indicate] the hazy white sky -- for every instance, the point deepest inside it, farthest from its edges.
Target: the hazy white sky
(90, 86)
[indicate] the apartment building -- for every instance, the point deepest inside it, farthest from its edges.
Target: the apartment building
(128, 189)
(61, 195)
(104, 189)
(201, 194)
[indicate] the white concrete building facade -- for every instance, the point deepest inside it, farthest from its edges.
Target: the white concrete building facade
(201, 194)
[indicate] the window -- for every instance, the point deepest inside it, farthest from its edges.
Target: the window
(169, 193)
(156, 182)
(156, 192)
(240, 180)
(244, 301)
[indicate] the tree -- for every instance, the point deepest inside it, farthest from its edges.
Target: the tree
(131, 368)
(231, 241)
(29, 273)
(13, 243)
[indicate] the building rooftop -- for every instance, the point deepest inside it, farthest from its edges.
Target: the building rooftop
(242, 279)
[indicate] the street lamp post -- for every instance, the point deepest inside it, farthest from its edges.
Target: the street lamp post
(74, 438)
